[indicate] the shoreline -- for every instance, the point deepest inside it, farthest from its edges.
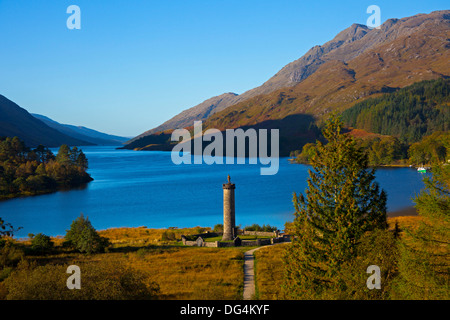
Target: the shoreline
(293, 161)
(405, 212)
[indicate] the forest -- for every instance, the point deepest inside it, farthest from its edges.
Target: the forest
(407, 127)
(25, 171)
(388, 151)
(408, 114)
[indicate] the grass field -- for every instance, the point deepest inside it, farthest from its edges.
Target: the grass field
(180, 272)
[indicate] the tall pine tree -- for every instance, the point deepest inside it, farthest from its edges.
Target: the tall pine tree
(342, 202)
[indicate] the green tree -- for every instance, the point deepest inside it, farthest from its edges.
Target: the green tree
(83, 237)
(41, 243)
(63, 156)
(218, 228)
(424, 263)
(342, 203)
(43, 154)
(306, 154)
(433, 148)
(81, 160)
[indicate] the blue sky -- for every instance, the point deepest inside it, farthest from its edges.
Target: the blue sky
(135, 64)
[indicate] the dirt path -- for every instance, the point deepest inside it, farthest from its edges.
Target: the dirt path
(249, 274)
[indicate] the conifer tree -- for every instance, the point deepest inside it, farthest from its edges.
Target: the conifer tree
(81, 160)
(424, 263)
(342, 202)
(63, 156)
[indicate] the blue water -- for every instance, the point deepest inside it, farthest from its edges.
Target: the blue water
(145, 188)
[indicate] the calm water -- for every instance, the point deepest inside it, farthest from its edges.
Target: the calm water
(134, 189)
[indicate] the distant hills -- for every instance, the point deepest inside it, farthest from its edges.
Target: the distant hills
(16, 121)
(83, 133)
(36, 130)
(357, 64)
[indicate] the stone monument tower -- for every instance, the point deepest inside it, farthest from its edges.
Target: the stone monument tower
(229, 229)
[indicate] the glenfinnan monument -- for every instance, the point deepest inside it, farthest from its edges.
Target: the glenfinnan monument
(229, 229)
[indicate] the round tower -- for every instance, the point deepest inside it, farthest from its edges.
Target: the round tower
(229, 229)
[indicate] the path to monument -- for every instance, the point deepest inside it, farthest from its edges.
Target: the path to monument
(249, 273)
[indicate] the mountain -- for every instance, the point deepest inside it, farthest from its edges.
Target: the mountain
(16, 121)
(345, 46)
(83, 133)
(198, 112)
(357, 64)
(290, 75)
(418, 50)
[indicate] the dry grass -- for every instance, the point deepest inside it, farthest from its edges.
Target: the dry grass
(405, 221)
(269, 272)
(192, 272)
(180, 272)
(142, 236)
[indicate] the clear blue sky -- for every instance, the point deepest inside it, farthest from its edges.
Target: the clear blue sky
(135, 64)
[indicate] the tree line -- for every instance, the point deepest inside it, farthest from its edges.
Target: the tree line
(410, 125)
(388, 150)
(25, 171)
(408, 114)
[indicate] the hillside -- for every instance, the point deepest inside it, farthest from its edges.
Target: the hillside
(16, 121)
(198, 112)
(408, 114)
(83, 133)
(356, 64)
(337, 85)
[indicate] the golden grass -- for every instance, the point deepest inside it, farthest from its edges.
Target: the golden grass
(138, 237)
(192, 272)
(180, 272)
(143, 235)
(405, 221)
(269, 272)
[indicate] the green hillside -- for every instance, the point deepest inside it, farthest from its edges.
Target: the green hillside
(409, 114)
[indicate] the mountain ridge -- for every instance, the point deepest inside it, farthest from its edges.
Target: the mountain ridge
(357, 64)
(16, 121)
(345, 46)
(83, 133)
